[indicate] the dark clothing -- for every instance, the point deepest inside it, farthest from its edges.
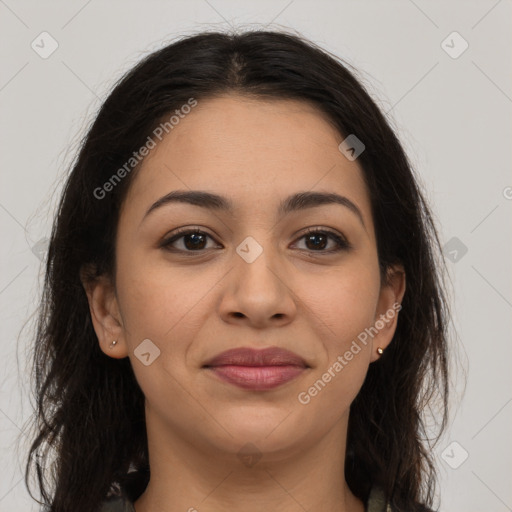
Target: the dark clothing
(376, 503)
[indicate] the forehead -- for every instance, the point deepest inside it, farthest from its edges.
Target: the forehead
(254, 151)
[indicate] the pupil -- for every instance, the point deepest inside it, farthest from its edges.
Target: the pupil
(316, 245)
(195, 237)
(195, 241)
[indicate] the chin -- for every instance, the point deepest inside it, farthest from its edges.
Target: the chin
(269, 432)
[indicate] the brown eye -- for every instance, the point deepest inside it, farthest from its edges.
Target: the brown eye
(194, 241)
(190, 240)
(317, 240)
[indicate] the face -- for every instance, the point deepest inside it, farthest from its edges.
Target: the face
(267, 272)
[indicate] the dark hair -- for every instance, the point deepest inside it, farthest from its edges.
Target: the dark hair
(90, 408)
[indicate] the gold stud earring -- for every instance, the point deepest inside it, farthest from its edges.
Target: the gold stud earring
(380, 351)
(113, 344)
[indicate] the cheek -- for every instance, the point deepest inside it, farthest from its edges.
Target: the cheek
(156, 299)
(343, 301)
(342, 306)
(168, 307)
(330, 392)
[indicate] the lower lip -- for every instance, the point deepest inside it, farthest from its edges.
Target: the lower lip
(257, 377)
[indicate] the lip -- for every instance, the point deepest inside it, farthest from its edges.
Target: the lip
(257, 369)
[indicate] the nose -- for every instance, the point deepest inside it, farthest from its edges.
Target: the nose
(258, 293)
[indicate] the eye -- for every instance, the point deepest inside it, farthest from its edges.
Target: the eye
(190, 240)
(196, 240)
(317, 240)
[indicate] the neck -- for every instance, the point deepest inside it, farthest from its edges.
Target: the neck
(198, 477)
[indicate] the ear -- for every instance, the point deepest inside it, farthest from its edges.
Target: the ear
(389, 304)
(105, 314)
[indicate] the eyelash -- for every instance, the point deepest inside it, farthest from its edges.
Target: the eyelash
(341, 243)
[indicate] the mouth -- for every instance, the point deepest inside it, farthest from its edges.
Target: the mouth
(257, 370)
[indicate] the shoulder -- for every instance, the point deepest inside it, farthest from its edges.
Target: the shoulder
(377, 503)
(117, 504)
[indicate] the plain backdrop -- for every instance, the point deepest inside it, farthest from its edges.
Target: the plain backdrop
(450, 104)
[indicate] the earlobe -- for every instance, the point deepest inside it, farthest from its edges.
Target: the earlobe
(389, 304)
(105, 315)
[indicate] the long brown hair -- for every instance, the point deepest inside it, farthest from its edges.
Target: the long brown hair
(90, 423)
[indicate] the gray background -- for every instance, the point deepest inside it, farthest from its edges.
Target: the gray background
(452, 114)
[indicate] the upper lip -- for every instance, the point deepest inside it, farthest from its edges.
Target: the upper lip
(272, 356)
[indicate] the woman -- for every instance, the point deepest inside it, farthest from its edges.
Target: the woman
(243, 305)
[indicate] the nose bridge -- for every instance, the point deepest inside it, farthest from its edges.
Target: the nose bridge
(258, 263)
(257, 288)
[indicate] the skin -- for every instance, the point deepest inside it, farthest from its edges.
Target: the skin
(193, 306)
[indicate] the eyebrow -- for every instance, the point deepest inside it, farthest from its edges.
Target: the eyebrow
(295, 202)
